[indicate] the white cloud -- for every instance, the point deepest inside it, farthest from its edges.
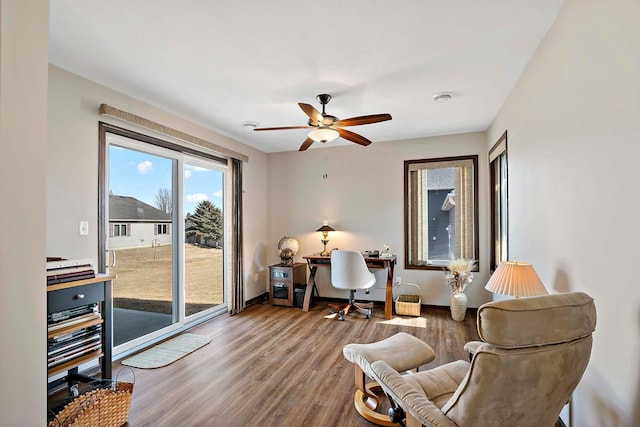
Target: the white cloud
(144, 167)
(197, 197)
(187, 173)
(217, 193)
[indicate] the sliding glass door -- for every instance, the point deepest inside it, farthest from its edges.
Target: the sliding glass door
(203, 198)
(142, 241)
(163, 227)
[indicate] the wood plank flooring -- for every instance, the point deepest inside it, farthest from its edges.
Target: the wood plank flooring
(277, 366)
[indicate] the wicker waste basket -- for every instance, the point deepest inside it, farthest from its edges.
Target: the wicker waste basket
(408, 304)
(105, 405)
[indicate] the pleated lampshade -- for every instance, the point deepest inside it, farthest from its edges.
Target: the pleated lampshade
(517, 279)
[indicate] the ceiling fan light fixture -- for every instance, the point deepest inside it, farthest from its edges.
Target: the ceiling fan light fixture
(323, 134)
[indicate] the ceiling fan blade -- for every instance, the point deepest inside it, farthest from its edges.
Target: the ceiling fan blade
(311, 111)
(284, 128)
(364, 120)
(306, 144)
(353, 137)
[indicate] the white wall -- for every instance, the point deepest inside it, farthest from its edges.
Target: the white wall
(362, 198)
(72, 170)
(24, 30)
(573, 124)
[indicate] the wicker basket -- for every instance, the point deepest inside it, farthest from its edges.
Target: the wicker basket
(408, 304)
(107, 405)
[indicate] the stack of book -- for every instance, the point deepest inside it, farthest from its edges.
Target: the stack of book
(67, 270)
(66, 346)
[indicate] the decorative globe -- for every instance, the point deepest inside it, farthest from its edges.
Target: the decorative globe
(287, 248)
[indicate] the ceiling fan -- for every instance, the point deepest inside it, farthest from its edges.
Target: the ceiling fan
(327, 127)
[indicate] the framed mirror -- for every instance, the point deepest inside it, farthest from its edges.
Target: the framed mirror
(440, 211)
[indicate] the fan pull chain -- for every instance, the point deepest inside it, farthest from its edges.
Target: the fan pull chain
(325, 175)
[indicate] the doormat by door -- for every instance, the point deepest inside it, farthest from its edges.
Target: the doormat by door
(167, 352)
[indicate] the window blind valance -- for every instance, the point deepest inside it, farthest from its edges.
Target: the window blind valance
(441, 165)
(498, 148)
(108, 110)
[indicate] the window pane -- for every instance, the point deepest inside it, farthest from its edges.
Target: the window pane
(204, 238)
(503, 207)
(440, 211)
(143, 291)
(499, 214)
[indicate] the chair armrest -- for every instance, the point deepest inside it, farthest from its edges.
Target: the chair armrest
(472, 346)
(407, 393)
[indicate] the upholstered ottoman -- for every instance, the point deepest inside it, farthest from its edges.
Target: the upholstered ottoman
(401, 351)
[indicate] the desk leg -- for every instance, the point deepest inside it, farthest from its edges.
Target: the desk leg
(308, 293)
(388, 300)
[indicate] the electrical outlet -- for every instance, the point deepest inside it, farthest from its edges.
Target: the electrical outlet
(398, 280)
(83, 228)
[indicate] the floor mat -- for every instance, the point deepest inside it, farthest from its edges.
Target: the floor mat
(167, 352)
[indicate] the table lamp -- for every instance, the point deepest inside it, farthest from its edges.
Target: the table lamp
(325, 229)
(517, 279)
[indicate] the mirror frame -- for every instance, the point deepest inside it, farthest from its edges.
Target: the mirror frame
(476, 221)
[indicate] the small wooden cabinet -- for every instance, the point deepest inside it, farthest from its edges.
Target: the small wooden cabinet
(69, 295)
(283, 280)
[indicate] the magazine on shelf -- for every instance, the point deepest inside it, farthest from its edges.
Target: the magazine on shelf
(59, 263)
(68, 343)
(53, 363)
(74, 352)
(68, 272)
(72, 312)
(69, 322)
(73, 345)
(71, 278)
(75, 334)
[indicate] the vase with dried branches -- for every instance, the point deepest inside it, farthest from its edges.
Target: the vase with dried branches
(458, 276)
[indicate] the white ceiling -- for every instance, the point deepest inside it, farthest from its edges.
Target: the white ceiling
(219, 63)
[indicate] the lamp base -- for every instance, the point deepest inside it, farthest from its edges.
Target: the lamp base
(325, 252)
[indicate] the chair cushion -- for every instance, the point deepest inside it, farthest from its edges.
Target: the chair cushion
(440, 383)
(401, 351)
(408, 393)
(537, 321)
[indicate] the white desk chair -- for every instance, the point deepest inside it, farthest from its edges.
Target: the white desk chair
(349, 271)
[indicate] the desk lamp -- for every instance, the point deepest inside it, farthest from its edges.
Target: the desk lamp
(517, 279)
(325, 229)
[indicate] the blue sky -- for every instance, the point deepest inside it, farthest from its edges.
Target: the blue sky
(140, 175)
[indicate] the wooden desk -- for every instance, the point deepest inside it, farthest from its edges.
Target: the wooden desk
(314, 261)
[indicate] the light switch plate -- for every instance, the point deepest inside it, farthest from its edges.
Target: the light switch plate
(83, 228)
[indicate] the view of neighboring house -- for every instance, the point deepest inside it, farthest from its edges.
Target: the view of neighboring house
(133, 223)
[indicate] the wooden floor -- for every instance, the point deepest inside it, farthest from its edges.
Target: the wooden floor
(277, 366)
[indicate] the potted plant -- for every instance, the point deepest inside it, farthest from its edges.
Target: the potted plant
(458, 276)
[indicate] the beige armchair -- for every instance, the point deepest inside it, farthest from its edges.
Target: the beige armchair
(533, 355)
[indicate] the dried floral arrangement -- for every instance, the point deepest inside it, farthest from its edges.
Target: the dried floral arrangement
(458, 275)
